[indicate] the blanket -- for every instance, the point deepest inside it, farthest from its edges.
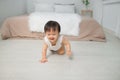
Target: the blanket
(17, 27)
(68, 22)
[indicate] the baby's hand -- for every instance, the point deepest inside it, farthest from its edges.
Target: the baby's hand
(43, 60)
(69, 53)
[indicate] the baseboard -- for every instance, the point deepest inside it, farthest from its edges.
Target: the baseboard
(0, 37)
(109, 31)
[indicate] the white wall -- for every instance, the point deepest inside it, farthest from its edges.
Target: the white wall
(11, 8)
(111, 13)
(97, 10)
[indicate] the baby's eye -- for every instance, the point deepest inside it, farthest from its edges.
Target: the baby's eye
(48, 34)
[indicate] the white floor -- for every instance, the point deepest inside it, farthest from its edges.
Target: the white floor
(19, 60)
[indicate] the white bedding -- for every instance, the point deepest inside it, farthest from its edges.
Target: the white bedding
(69, 22)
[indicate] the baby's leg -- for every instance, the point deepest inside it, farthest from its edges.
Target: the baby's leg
(61, 51)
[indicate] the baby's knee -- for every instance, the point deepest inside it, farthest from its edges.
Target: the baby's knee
(61, 52)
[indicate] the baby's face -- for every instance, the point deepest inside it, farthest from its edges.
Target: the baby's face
(52, 35)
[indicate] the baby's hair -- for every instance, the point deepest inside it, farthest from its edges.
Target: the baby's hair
(52, 25)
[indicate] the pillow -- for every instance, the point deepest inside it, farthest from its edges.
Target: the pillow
(44, 8)
(64, 8)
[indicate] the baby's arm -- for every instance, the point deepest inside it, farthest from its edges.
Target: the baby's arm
(67, 46)
(44, 51)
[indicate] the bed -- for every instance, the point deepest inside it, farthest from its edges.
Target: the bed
(79, 28)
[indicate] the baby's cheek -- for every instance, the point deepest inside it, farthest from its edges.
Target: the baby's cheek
(55, 36)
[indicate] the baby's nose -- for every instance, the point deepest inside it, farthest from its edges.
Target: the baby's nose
(51, 37)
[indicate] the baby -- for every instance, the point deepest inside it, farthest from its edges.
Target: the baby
(54, 41)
